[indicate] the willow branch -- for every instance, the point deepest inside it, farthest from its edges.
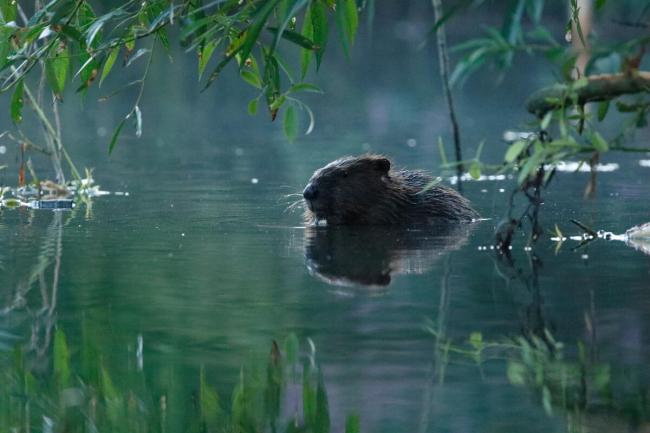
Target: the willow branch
(599, 88)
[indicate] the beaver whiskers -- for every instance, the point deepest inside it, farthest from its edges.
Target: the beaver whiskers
(294, 205)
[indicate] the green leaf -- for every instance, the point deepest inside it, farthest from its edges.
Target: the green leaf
(108, 389)
(515, 150)
(232, 51)
(318, 16)
(141, 52)
(291, 348)
(17, 103)
(322, 419)
(443, 154)
(475, 170)
(599, 143)
(251, 78)
(546, 121)
(352, 424)
(253, 32)
(290, 124)
(288, 14)
(205, 54)
(511, 31)
(108, 65)
(304, 87)
(308, 396)
(306, 54)
(56, 70)
(600, 4)
(73, 34)
(296, 38)
(8, 9)
(603, 108)
(116, 135)
(347, 21)
(580, 83)
(516, 373)
(64, 9)
(61, 359)
(88, 71)
(476, 340)
(534, 10)
(211, 410)
(93, 30)
(622, 107)
(252, 107)
(531, 165)
(272, 85)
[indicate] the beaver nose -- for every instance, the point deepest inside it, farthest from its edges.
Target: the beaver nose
(310, 192)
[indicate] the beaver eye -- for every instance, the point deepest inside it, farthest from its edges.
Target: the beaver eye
(344, 173)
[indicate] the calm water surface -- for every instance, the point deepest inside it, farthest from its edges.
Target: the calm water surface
(204, 266)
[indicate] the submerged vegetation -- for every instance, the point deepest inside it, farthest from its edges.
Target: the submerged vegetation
(75, 390)
(591, 394)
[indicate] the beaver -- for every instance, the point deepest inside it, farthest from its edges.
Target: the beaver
(365, 190)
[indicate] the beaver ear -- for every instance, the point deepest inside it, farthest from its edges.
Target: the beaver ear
(382, 165)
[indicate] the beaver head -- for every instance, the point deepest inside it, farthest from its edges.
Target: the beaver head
(346, 190)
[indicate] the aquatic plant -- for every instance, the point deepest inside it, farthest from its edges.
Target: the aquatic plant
(77, 391)
(562, 378)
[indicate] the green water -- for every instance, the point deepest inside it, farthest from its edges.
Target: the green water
(203, 266)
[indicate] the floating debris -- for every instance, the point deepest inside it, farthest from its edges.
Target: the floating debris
(637, 237)
(639, 232)
(51, 195)
(644, 162)
(51, 204)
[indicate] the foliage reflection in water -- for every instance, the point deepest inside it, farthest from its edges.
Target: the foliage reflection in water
(72, 389)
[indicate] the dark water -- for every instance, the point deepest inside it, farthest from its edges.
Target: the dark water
(202, 263)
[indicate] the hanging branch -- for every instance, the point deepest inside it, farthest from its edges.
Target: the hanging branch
(443, 59)
(597, 88)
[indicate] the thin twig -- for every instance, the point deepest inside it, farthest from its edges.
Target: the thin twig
(46, 123)
(443, 59)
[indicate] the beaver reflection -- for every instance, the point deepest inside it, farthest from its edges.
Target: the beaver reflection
(372, 256)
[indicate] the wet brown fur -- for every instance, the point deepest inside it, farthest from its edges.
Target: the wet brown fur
(366, 190)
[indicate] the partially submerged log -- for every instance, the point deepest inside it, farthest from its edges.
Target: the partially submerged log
(599, 88)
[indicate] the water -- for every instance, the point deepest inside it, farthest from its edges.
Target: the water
(203, 266)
